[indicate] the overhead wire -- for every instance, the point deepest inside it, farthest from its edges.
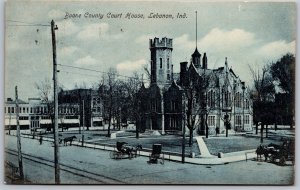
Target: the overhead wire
(68, 72)
(23, 23)
(103, 72)
(27, 23)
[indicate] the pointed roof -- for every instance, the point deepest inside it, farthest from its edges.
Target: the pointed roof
(175, 85)
(196, 53)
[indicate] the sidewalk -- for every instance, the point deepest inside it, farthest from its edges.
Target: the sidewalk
(212, 160)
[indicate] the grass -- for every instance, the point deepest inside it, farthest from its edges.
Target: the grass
(173, 143)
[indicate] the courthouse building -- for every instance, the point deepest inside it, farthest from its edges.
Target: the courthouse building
(163, 101)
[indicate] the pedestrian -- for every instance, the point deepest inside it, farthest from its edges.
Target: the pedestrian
(41, 140)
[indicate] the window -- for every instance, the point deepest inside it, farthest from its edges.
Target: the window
(226, 98)
(153, 105)
(30, 110)
(211, 99)
(23, 110)
(211, 120)
(168, 63)
(168, 76)
(12, 110)
(246, 106)
(238, 120)
(27, 110)
(173, 105)
(238, 100)
(160, 62)
(247, 119)
(23, 118)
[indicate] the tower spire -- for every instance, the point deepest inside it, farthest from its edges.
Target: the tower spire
(196, 29)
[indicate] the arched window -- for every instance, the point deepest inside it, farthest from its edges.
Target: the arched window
(168, 63)
(213, 99)
(246, 106)
(160, 62)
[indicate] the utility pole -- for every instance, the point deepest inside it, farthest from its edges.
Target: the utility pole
(56, 150)
(243, 88)
(83, 123)
(183, 134)
(19, 137)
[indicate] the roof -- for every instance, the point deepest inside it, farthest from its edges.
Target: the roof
(196, 53)
(14, 102)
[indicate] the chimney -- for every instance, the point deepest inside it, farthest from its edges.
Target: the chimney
(204, 61)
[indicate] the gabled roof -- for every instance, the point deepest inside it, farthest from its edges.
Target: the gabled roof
(175, 85)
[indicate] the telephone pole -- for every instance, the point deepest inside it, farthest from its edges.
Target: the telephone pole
(183, 133)
(19, 137)
(83, 124)
(56, 150)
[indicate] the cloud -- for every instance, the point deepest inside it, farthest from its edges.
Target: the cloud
(88, 60)
(274, 50)
(56, 14)
(127, 66)
(69, 50)
(144, 39)
(219, 40)
(235, 39)
(94, 31)
(67, 27)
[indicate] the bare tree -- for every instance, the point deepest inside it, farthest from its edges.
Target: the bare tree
(133, 111)
(263, 94)
(109, 88)
(45, 89)
(196, 89)
(147, 72)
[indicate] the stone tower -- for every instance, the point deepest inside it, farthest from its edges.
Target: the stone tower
(161, 61)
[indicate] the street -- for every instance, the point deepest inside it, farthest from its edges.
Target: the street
(88, 166)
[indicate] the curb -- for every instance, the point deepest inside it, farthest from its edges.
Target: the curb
(214, 160)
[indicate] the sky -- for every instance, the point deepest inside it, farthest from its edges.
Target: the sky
(246, 33)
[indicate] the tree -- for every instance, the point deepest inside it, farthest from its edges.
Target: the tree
(45, 91)
(195, 89)
(263, 94)
(133, 100)
(108, 88)
(283, 72)
(44, 88)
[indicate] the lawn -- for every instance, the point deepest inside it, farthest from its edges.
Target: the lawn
(173, 143)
